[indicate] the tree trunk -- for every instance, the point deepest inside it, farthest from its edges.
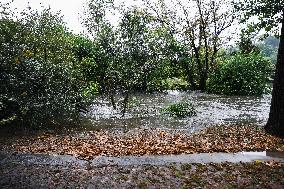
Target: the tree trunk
(275, 124)
(112, 101)
(202, 80)
(124, 104)
(188, 67)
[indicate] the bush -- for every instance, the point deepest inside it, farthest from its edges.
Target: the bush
(39, 93)
(241, 75)
(180, 110)
(39, 83)
(167, 84)
(177, 84)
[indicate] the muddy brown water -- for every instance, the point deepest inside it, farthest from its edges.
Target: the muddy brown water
(211, 110)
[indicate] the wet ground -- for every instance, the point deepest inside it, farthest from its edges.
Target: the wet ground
(18, 171)
(25, 170)
(144, 111)
(162, 160)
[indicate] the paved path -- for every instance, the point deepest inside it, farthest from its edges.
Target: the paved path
(101, 161)
(189, 158)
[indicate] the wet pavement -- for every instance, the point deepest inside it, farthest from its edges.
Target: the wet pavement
(102, 161)
(190, 158)
(41, 159)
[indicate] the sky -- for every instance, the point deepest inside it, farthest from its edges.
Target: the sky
(71, 9)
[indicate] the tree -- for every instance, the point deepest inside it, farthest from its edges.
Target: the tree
(241, 74)
(246, 45)
(271, 14)
(126, 54)
(269, 48)
(199, 25)
(39, 85)
(104, 40)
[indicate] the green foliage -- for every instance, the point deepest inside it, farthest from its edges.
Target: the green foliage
(157, 84)
(246, 45)
(127, 57)
(241, 74)
(40, 84)
(83, 47)
(91, 90)
(180, 110)
(269, 48)
(177, 84)
(268, 12)
(136, 50)
(145, 51)
(167, 84)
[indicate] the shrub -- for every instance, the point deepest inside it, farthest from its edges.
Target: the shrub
(167, 84)
(241, 75)
(39, 83)
(177, 84)
(180, 110)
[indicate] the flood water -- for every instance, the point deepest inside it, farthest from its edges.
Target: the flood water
(211, 110)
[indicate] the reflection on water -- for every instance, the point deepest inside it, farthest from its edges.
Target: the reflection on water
(212, 110)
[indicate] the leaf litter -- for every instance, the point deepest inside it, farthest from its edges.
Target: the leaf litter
(138, 142)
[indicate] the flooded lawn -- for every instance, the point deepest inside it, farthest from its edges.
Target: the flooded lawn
(211, 110)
